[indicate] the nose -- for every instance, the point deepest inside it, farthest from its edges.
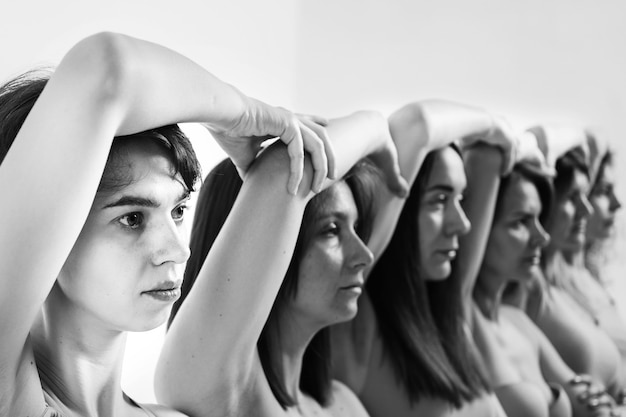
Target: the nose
(584, 208)
(615, 203)
(170, 244)
(360, 255)
(540, 237)
(457, 222)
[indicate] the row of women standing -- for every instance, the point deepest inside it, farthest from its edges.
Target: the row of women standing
(401, 268)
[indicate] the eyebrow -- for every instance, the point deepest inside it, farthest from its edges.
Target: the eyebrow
(446, 188)
(130, 200)
(337, 214)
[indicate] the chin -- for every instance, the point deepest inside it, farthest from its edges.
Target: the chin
(145, 324)
(438, 272)
(346, 313)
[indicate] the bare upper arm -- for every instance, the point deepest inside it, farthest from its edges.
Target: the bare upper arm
(68, 130)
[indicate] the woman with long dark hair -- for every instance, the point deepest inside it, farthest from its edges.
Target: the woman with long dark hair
(409, 351)
(295, 267)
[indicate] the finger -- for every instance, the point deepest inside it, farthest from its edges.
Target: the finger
(322, 121)
(314, 145)
(295, 149)
(321, 133)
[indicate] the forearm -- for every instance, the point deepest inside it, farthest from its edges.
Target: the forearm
(356, 136)
(446, 121)
(156, 86)
(482, 166)
(556, 141)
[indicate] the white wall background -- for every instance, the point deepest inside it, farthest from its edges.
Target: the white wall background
(532, 61)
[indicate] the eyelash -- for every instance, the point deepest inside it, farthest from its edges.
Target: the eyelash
(331, 229)
(140, 217)
(183, 208)
(444, 198)
(127, 225)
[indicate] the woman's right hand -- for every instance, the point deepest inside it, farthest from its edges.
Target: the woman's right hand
(242, 138)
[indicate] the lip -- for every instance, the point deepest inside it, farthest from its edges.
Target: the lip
(533, 259)
(579, 227)
(356, 287)
(167, 291)
(448, 253)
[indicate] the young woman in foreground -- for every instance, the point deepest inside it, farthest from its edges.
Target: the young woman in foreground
(261, 366)
(93, 242)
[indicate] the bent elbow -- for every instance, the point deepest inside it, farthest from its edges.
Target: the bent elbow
(104, 63)
(411, 119)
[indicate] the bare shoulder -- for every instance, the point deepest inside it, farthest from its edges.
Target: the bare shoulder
(162, 411)
(345, 403)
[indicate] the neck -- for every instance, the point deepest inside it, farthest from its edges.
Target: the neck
(291, 334)
(488, 293)
(80, 362)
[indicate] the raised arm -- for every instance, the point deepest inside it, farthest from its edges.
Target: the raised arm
(209, 357)
(484, 164)
(107, 85)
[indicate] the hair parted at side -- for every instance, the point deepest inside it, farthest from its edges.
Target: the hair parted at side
(422, 322)
(216, 199)
(170, 139)
(18, 96)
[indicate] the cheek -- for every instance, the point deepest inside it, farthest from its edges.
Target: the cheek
(430, 228)
(600, 206)
(99, 267)
(563, 219)
(317, 271)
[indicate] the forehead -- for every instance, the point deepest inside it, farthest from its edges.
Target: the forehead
(447, 170)
(140, 167)
(338, 200)
(607, 176)
(580, 182)
(520, 196)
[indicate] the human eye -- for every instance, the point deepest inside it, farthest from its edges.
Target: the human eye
(178, 214)
(131, 220)
(604, 190)
(439, 199)
(331, 229)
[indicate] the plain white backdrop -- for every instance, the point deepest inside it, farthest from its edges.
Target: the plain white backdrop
(558, 61)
